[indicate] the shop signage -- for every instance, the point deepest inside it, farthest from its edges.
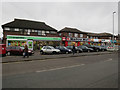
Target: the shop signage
(34, 38)
(78, 39)
(105, 40)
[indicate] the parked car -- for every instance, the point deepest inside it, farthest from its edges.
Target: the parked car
(96, 49)
(17, 50)
(2, 50)
(113, 48)
(49, 50)
(77, 50)
(85, 48)
(104, 48)
(63, 49)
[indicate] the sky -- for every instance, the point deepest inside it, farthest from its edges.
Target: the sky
(94, 17)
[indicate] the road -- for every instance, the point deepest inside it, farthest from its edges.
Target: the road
(98, 71)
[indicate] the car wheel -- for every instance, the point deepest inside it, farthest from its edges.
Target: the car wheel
(88, 50)
(8, 53)
(53, 52)
(66, 52)
(97, 50)
(77, 51)
(41, 52)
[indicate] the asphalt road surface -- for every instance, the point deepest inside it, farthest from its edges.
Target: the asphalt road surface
(98, 71)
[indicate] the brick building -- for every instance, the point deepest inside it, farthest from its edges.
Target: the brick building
(72, 36)
(19, 31)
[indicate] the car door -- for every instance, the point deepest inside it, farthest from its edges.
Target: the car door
(13, 50)
(48, 50)
(17, 50)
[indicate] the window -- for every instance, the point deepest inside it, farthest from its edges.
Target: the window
(39, 32)
(47, 32)
(81, 35)
(16, 29)
(59, 34)
(36, 30)
(70, 34)
(7, 28)
(33, 30)
(76, 35)
(43, 32)
(53, 32)
(28, 31)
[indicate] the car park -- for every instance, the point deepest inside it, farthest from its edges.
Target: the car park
(63, 49)
(85, 48)
(77, 50)
(49, 50)
(17, 50)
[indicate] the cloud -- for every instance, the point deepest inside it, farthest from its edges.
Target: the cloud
(86, 16)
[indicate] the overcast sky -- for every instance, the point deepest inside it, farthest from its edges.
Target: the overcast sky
(85, 16)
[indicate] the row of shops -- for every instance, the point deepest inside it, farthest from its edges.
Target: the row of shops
(80, 41)
(35, 42)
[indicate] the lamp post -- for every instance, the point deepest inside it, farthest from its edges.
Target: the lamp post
(113, 27)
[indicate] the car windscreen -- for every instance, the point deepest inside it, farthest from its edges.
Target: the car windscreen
(51, 47)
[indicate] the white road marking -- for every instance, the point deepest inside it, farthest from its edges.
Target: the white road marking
(60, 68)
(110, 59)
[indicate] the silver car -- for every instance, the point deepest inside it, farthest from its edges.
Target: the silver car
(49, 50)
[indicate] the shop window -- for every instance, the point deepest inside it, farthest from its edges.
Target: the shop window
(39, 32)
(7, 28)
(81, 35)
(76, 35)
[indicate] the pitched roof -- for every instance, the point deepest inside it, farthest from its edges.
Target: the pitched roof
(28, 24)
(71, 30)
(100, 34)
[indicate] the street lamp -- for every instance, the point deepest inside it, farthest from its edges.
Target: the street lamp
(113, 26)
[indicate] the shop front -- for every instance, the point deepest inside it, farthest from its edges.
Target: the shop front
(99, 42)
(37, 42)
(68, 41)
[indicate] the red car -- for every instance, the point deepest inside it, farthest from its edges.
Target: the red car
(17, 50)
(2, 50)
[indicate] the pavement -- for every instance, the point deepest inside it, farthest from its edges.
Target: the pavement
(38, 56)
(94, 71)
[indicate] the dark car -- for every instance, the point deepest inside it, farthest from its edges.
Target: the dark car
(104, 48)
(63, 49)
(77, 50)
(96, 49)
(17, 50)
(85, 48)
